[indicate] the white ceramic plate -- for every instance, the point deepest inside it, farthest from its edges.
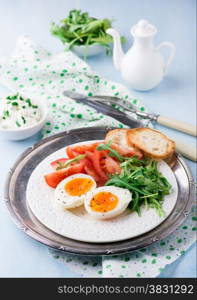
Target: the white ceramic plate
(77, 224)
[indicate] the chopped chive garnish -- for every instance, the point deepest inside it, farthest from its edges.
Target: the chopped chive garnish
(28, 102)
(24, 106)
(24, 121)
(17, 97)
(6, 113)
(18, 124)
(15, 103)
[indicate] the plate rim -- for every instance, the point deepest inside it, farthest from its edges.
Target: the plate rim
(77, 250)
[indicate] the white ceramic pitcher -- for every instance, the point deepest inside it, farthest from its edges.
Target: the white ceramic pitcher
(143, 66)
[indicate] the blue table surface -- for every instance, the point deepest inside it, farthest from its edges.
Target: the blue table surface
(21, 256)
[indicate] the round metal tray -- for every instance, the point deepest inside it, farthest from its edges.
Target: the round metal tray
(15, 198)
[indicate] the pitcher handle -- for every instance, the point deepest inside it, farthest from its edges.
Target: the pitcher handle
(172, 54)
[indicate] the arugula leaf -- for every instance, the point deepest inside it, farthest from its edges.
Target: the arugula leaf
(112, 152)
(70, 161)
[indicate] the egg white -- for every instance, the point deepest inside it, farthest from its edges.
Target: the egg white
(68, 201)
(124, 197)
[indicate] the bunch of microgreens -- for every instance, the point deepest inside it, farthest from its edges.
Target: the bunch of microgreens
(80, 29)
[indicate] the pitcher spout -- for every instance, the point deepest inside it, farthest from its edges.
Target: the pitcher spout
(117, 49)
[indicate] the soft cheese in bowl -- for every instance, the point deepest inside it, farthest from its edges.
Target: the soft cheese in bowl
(21, 117)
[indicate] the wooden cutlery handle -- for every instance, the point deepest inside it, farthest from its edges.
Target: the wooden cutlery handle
(178, 125)
(186, 150)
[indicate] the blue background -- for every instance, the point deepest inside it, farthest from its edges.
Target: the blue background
(175, 97)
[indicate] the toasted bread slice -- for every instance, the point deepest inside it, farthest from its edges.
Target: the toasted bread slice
(119, 142)
(152, 142)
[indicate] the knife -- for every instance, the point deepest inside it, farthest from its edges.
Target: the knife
(172, 123)
(124, 117)
(168, 122)
(106, 109)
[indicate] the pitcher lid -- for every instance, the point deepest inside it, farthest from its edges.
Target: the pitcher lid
(143, 29)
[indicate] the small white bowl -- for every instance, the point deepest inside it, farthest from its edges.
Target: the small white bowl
(24, 133)
(86, 51)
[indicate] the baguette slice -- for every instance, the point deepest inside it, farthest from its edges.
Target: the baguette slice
(119, 142)
(153, 143)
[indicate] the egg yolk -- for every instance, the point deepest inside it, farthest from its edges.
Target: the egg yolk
(78, 186)
(104, 202)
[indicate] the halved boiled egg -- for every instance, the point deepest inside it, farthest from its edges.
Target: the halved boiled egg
(72, 191)
(107, 202)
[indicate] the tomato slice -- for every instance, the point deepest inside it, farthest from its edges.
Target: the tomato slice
(54, 164)
(139, 155)
(80, 149)
(112, 166)
(87, 147)
(54, 178)
(71, 152)
(89, 169)
(96, 164)
(95, 159)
